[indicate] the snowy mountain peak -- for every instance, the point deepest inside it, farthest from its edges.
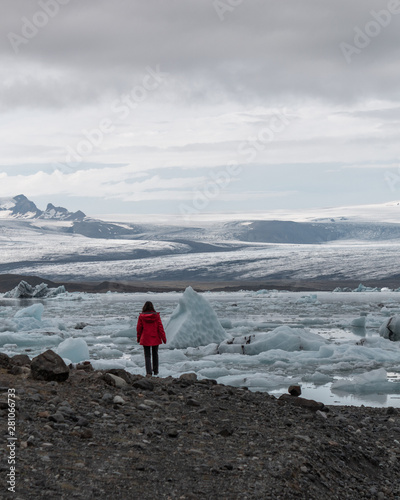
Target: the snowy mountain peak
(20, 207)
(61, 213)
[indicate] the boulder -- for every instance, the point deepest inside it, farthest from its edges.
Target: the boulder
(294, 390)
(305, 403)
(187, 379)
(114, 380)
(188, 376)
(119, 372)
(4, 360)
(20, 360)
(144, 384)
(49, 366)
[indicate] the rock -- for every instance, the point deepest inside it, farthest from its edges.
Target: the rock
(226, 432)
(118, 400)
(144, 384)
(58, 417)
(82, 422)
(49, 366)
(294, 390)
(20, 360)
(31, 441)
(114, 381)
(15, 370)
(173, 433)
(86, 366)
(119, 372)
(305, 403)
(86, 434)
(192, 402)
(3, 404)
(4, 360)
(188, 376)
(107, 397)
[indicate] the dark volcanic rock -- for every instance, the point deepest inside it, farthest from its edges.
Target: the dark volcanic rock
(305, 403)
(75, 440)
(119, 372)
(294, 390)
(49, 366)
(20, 360)
(4, 360)
(144, 384)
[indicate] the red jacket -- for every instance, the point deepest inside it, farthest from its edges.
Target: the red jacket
(150, 330)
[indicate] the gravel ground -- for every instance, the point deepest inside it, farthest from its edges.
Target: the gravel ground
(188, 439)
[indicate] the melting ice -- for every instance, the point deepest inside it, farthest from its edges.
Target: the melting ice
(332, 343)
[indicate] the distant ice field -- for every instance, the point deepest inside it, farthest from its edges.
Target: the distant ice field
(349, 260)
(306, 338)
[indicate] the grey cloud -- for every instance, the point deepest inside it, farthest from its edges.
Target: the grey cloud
(262, 52)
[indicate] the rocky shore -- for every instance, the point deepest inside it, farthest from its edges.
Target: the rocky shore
(116, 435)
(9, 281)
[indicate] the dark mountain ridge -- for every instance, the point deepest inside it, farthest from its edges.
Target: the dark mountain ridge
(20, 207)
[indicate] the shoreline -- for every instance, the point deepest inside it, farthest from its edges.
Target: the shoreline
(10, 281)
(190, 439)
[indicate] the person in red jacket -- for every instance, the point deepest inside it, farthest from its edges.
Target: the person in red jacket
(150, 334)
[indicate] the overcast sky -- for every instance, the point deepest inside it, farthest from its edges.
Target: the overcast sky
(194, 106)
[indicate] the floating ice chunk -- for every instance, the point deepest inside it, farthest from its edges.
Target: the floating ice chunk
(390, 329)
(107, 364)
(128, 332)
(35, 311)
(369, 382)
(172, 356)
(283, 338)
(8, 326)
(26, 291)
(108, 352)
(31, 339)
(318, 378)
(359, 322)
(308, 299)
(75, 350)
(362, 288)
(202, 350)
(193, 323)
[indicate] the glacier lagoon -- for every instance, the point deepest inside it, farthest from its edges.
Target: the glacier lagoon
(328, 342)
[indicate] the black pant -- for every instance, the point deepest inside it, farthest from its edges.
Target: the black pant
(148, 350)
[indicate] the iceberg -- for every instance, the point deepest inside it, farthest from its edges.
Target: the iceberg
(390, 329)
(194, 323)
(374, 381)
(283, 338)
(75, 350)
(26, 291)
(35, 311)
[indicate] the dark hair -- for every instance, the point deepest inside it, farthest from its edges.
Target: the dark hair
(148, 307)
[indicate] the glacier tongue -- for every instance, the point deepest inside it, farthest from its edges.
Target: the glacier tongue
(194, 323)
